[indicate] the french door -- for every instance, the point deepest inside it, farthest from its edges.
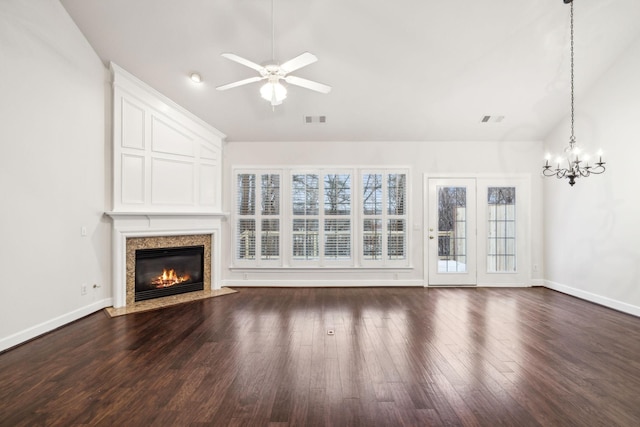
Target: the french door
(452, 232)
(477, 231)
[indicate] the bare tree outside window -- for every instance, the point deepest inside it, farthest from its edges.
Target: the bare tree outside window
(305, 203)
(270, 228)
(372, 194)
(337, 205)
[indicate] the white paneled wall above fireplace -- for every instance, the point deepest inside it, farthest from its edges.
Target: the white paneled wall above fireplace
(164, 158)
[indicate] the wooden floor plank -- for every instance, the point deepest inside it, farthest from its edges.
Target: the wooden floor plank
(399, 356)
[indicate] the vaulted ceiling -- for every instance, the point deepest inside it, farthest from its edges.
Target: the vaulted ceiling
(400, 70)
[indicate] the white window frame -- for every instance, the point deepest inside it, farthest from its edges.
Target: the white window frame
(385, 217)
(286, 217)
(321, 217)
(257, 216)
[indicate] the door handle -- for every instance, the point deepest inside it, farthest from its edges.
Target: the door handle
(431, 237)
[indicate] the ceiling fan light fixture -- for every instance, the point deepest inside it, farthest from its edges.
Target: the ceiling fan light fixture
(196, 77)
(274, 92)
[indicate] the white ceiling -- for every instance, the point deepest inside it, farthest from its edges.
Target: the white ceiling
(400, 70)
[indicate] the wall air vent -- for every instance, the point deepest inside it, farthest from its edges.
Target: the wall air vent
(315, 119)
(491, 119)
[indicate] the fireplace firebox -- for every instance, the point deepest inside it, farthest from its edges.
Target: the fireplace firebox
(161, 272)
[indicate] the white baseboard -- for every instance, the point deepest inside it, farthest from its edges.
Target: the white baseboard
(591, 297)
(322, 283)
(503, 285)
(50, 325)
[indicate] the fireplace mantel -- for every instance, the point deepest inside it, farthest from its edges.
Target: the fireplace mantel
(160, 215)
(160, 224)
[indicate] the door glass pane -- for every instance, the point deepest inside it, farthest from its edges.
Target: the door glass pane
(452, 230)
(501, 235)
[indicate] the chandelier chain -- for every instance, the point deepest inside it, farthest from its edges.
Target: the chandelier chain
(573, 137)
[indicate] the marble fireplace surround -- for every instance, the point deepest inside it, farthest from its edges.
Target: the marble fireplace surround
(134, 230)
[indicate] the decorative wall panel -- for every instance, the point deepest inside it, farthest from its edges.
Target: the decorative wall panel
(207, 192)
(172, 182)
(165, 159)
(132, 125)
(167, 137)
(133, 175)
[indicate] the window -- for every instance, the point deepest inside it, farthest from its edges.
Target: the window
(337, 216)
(258, 214)
(321, 225)
(270, 212)
(384, 215)
(305, 200)
(321, 218)
(246, 243)
(501, 235)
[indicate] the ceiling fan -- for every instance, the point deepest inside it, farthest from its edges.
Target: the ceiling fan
(273, 90)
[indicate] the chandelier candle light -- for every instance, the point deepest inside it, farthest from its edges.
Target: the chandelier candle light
(577, 162)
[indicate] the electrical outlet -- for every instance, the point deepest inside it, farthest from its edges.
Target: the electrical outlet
(83, 289)
(535, 268)
(83, 231)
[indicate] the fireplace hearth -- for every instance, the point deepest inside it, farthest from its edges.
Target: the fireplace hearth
(162, 272)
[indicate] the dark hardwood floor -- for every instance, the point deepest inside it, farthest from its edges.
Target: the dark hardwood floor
(399, 357)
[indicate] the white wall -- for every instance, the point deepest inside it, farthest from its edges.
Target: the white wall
(464, 158)
(592, 230)
(53, 181)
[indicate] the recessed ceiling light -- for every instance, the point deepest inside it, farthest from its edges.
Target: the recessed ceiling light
(196, 77)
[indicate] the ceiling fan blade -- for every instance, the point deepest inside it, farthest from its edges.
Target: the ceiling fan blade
(245, 62)
(298, 62)
(318, 87)
(240, 83)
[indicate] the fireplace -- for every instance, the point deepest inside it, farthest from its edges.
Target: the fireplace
(161, 272)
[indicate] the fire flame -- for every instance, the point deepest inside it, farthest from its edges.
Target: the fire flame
(169, 278)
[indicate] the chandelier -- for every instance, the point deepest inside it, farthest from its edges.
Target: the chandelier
(574, 164)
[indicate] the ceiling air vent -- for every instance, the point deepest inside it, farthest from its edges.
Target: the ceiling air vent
(491, 119)
(315, 119)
